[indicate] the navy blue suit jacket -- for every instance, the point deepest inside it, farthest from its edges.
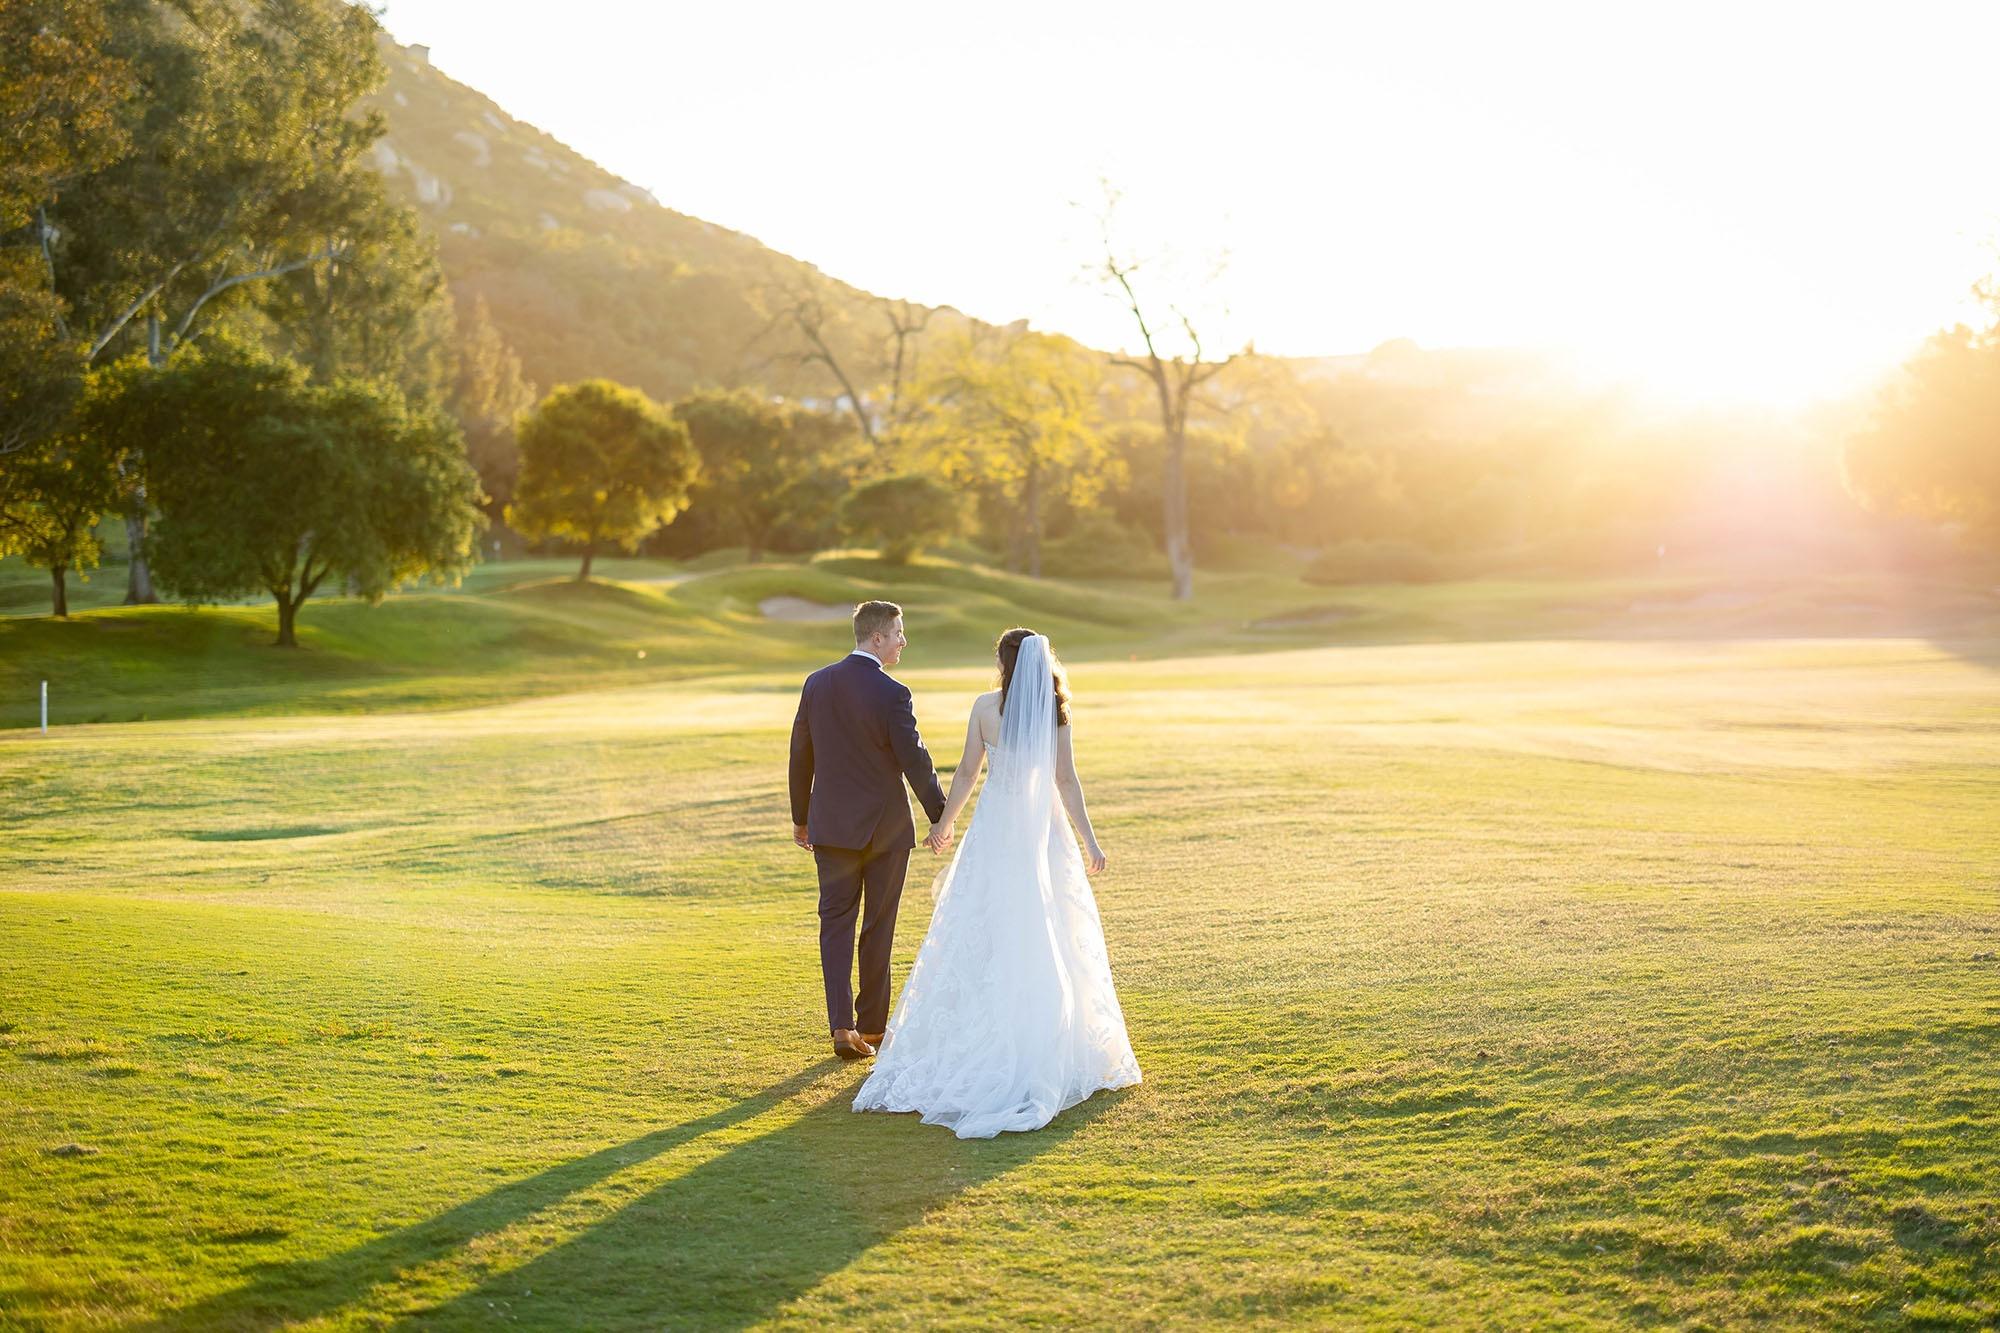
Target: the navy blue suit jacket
(853, 742)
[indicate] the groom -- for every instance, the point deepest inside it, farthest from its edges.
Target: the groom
(853, 742)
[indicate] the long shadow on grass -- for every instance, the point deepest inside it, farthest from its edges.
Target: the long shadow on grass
(733, 1240)
(721, 1246)
(316, 1287)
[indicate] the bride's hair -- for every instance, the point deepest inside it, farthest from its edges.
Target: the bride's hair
(1008, 650)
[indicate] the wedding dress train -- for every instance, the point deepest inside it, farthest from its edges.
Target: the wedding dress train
(1009, 1015)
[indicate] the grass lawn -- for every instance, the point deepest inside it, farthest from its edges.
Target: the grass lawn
(458, 968)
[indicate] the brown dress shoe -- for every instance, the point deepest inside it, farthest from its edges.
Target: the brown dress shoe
(873, 1039)
(848, 1045)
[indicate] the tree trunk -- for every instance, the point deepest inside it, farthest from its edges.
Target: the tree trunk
(1180, 551)
(589, 554)
(60, 602)
(138, 578)
(288, 613)
(1032, 500)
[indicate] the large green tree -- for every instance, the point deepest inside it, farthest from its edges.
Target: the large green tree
(266, 482)
(601, 465)
(1933, 450)
(51, 499)
(62, 99)
(1021, 418)
(242, 166)
(375, 307)
(488, 392)
(61, 92)
(241, 138)
(759, 461)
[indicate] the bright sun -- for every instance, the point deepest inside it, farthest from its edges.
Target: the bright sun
(1763, 202)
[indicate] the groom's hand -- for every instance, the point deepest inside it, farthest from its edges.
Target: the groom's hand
(938, 838)
(799, 836)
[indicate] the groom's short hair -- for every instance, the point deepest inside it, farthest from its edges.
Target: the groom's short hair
(874, 618)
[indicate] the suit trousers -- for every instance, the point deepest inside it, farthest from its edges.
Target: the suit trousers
(869, 883)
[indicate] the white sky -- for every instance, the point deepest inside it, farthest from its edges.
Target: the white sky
(1736, 200)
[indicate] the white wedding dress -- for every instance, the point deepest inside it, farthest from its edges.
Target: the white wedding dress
(1008, 1016)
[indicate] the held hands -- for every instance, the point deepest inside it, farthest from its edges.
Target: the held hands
(939, 837)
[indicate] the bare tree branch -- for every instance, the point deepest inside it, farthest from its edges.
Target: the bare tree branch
(42, 233)
(222, 285)
(1174, 380)
(906, 324)
(1188, 325)
(104, 339)
(805, 308)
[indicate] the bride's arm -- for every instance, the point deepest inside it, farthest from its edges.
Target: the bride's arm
(1071, 788)
(961, 785)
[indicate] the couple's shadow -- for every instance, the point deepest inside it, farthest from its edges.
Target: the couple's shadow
(721, 1245)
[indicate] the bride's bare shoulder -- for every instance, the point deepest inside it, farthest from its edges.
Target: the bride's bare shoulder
(986, 714)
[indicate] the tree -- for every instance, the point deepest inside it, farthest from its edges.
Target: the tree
(758, 459)
(41, 368)
(907, 322)
(1023, 420)
(51, 499)
(61, 93)
(600, 463)
(803, 302)
(1934, 448)
(488, 392)
(61, 101)
(266, 482)
(901, 515)
(375, 308)
(1174, 377)
(61, 98)
(239, 138)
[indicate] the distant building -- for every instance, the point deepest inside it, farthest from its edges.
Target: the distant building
(421, 54)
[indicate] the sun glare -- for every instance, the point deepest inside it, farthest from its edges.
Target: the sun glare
(1722, 202)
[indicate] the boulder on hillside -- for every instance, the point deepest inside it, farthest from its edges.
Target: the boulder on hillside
(475, 144)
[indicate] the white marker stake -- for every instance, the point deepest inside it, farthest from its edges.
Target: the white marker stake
(45, 708)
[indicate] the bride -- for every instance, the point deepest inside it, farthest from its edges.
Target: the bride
(1009, 1015)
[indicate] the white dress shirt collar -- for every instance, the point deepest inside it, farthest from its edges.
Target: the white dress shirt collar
(863, 652)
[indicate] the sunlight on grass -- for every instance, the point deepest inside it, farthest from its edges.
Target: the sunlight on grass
(1579, 980)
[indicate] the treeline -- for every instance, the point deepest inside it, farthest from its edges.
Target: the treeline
(1932, 451)
(214, 322)
(217, 327)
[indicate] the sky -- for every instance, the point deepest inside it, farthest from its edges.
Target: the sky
(1745, 201)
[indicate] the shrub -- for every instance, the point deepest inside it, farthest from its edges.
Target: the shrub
(901, 515)
(1098, 546)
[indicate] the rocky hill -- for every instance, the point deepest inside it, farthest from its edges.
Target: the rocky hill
(587, 274)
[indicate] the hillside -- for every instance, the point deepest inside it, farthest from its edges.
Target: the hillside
(586, 274)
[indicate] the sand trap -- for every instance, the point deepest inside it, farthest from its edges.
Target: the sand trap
(798, 608)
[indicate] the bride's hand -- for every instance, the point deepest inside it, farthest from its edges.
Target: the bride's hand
(1094, 858)
(938, 838)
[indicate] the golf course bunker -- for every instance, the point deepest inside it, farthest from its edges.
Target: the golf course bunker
(798, 608)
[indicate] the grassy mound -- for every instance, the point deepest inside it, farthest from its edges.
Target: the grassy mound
(523, 628)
